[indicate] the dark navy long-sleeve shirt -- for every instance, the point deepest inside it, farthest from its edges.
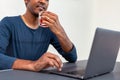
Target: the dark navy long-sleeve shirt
(19, 41)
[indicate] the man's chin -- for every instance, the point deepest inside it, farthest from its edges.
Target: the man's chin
(36, 14)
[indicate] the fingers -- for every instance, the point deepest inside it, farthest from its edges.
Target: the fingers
(48, 21)
(50, 15)
(49, 18)
(48, 60)
(54, 64)
(54, 60)
(55, 57)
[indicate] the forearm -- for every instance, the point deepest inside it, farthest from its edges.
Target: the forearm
(51, 20)
(45, 61)
(64, 41)
(23, 65)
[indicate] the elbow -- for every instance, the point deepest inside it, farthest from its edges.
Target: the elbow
(73, 60)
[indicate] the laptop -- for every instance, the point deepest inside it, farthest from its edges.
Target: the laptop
(101, 60)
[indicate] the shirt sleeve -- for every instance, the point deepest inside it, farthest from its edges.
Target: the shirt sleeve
(69, 56)
(5, 60)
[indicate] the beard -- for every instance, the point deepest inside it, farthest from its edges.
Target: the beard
(37, 8)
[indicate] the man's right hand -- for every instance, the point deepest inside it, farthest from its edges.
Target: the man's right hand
(46, 60)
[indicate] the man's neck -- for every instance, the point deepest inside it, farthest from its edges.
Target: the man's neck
(30, 20)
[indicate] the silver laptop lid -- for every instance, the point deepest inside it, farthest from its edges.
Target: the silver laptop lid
(104, 52)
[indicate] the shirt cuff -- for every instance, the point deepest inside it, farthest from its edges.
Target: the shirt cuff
(70, 56)
(6, 61)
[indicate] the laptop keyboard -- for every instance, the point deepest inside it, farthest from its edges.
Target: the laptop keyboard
(76, 72)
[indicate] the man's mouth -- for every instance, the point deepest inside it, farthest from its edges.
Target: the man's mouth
(41, 7)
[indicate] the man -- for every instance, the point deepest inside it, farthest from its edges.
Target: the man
(23, 42)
